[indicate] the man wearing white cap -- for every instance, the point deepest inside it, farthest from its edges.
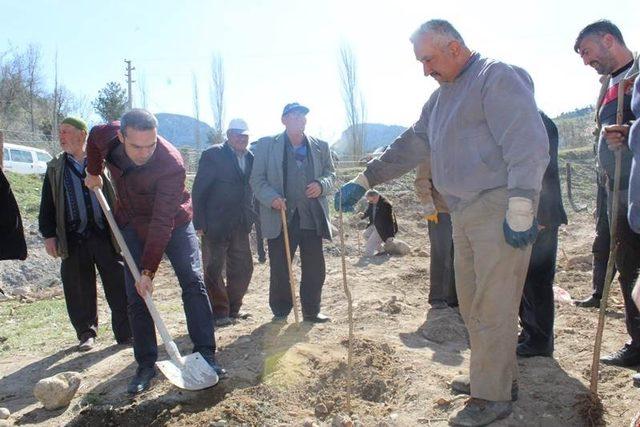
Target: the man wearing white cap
(223, 216)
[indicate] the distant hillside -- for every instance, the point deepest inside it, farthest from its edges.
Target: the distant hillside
(576, 127)
(375, 135)
(181, 130)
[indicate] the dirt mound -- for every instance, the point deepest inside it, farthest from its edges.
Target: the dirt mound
(375, 380)
(308, 381)
(444, 325)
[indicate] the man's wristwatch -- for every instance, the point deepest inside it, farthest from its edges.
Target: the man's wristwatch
(150, 274)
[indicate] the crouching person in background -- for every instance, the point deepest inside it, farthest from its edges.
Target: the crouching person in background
(382, 223)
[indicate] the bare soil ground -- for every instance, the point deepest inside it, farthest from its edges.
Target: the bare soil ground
(284, 374)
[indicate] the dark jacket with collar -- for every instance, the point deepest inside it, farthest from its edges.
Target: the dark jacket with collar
(52, 215)
(12, 243)
(550, 209)
(385, 220)
(222, 197)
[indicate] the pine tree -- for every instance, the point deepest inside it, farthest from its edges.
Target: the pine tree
(111, 102)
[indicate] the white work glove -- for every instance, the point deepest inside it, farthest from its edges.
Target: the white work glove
(520, 229)
(520, 214)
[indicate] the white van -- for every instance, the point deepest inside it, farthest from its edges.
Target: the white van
(24, 160)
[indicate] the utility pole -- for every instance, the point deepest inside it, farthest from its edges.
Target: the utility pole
(129, 82)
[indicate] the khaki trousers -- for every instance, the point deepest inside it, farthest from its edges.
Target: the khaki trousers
(490, 278)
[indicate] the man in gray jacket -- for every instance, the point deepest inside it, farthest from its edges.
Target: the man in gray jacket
(489, 151)
(294, 172)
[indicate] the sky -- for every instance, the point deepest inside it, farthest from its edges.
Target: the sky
(281, 51)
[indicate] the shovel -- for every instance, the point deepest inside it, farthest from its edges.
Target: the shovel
(191, 372)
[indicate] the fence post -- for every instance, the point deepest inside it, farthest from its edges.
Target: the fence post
(1, 150)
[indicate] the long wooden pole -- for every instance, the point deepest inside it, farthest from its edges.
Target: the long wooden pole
(292, 277)
(613, 230)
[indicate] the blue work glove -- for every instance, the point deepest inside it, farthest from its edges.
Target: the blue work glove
(351, 192)
(520, 226)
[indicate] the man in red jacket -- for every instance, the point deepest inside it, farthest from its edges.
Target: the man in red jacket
(154, 213)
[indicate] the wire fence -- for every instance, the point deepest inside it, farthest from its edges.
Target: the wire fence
(40, 140)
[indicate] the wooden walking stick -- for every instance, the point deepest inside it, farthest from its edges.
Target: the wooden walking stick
(612, 251)
(292, 277)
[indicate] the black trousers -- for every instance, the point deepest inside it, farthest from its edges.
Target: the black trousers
(537, 306)
(600, 247)
(312, 266)
(260, 242)
(628, 265)
(442, 277)
(78, 272)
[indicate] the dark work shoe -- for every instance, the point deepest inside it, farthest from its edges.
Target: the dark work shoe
(524, 350)
(626, 357)
(279, 319)
(590, 302)
(318, 318)
(636, 380)
(240, 315)
(438, 304)
(223, 321)
(221, 372)
(125, 342)
(462, 385)
(142, 380)
(480, 412)
(87, 344)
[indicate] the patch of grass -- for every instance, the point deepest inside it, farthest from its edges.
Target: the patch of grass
(27, 190)
(41, 326)
(92, 399)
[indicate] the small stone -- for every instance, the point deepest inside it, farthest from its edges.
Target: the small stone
(56, 392)
(443, 402)
(4, 413)
(397, 247)
(321, 410)
(341, 420)
(309, 422)
(219, 423)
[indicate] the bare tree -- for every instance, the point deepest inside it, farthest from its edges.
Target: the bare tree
(353, 100)
(55, 113)
(32, 74)
(217, 97)
(11, 87)
(196, 110)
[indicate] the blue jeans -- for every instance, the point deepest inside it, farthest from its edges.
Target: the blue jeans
(183, 250)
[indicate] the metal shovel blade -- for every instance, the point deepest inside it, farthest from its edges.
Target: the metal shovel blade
(193, 374)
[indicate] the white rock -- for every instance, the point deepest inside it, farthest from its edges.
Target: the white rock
(4, 413)
(341, 420)
(56, 392)
(397, 247)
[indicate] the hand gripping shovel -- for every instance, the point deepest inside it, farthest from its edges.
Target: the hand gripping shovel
(191, 372)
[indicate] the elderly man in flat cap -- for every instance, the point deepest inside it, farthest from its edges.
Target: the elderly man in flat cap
(294, 172)
(72, 225)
